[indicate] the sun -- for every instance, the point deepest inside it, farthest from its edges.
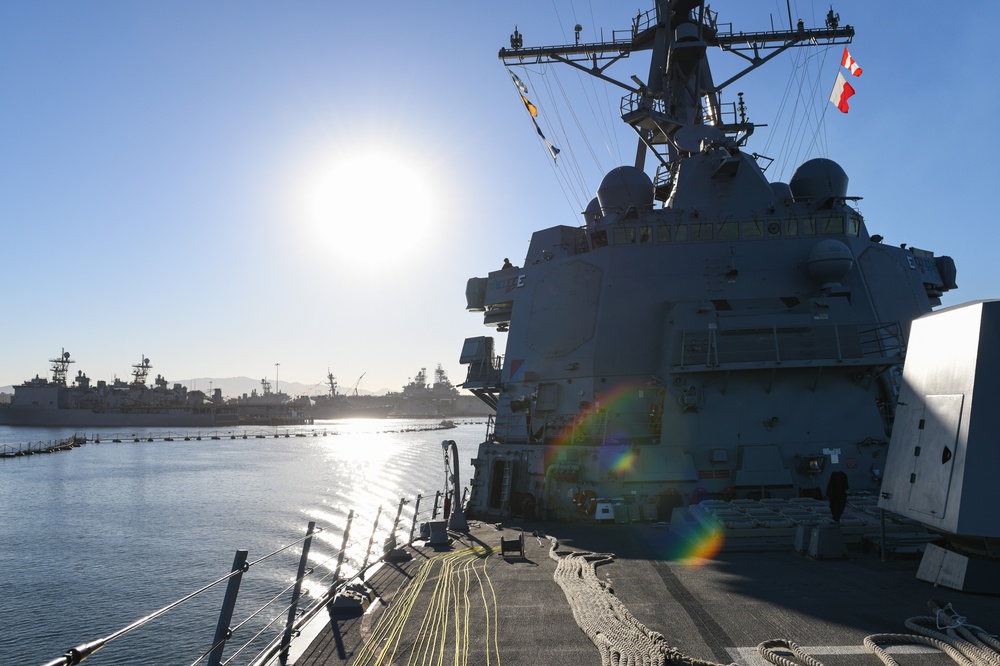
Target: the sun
(371, 207)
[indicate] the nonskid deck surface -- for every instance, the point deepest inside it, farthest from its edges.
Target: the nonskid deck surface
(466, 598)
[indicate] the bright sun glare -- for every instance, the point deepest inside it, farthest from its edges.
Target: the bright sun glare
(370, 207)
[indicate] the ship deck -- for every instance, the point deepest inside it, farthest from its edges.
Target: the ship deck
(465, 602)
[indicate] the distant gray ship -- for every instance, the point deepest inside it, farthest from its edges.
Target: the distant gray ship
(271, 408)
(337, 405)
(44, 402)
(418, 400)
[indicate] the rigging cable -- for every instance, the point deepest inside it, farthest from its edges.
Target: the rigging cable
(560, 176)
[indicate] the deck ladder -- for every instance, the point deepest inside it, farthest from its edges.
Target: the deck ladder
(505, 489)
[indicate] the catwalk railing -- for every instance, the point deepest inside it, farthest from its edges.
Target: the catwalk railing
(266, 641)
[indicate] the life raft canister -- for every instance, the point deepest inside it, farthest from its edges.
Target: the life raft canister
(586, 502)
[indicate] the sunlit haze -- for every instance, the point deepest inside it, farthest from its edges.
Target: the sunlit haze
(227, 186)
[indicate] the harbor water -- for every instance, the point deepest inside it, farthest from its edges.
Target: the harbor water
(98, 536)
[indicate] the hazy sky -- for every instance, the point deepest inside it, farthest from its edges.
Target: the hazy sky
(223, 186)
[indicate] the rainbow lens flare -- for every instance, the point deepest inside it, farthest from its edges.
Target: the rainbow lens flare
(692, 544)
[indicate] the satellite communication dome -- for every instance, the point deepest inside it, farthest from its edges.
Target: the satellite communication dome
(623, 188)
(781, 190)
(819, 179)
(593, 213)
(830, 260)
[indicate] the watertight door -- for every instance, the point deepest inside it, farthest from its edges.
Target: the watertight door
(934, 454)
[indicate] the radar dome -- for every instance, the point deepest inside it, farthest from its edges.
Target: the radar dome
(818, 179)
(623, 188)
(593, 213)
(781, 190)
(829, 261)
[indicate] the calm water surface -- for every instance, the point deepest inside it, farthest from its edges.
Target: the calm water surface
(94, 538)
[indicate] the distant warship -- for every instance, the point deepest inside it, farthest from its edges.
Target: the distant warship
(44, 402)
(337, 405)
(271, 408)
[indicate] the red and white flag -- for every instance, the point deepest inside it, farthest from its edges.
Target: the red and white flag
(841, 91)
(850, 63)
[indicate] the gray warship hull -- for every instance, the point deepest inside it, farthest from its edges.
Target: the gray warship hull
(30, 415)
(83, 404)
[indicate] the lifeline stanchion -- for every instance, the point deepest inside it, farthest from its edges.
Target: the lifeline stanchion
(343, 548)
(222, 632)
(391, 541)
(371, 540)
(416, 512)
(286, 638)
(437, 498)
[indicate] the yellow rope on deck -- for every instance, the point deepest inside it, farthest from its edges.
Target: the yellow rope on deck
(443, 636)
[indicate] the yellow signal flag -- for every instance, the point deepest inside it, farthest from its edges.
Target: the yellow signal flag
(530, 107)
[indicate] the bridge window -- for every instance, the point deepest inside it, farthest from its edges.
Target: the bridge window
(681, 233)
(599, 239)
(645, 235)
(853, 226)
(752, 229)
(791, 227)
(702, 232)
(833, 226)
(624, 235)
(663, 234)
(728, 231)
(809, 227)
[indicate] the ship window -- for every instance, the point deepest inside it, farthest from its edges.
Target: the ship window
(791, 227)
(625, 236)
(663, 234)
(753, 229)
(833, 226)
(773, 229)
(599, 239)
(645, 235)
(853, 226)
(702, 232)
(728, 231)
(809, 227)
(681, 233)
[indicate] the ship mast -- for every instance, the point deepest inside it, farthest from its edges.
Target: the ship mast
(679, 106)
(140, 371)
(60, 366)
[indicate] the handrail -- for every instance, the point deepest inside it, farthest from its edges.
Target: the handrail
(81, 652)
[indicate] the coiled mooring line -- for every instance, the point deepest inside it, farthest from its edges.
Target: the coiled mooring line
(946, 630)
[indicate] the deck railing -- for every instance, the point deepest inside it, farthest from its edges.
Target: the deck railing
(270, 644)
(848, 344)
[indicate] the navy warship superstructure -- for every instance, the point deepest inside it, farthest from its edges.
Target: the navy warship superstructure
(56, 402)
(705, 333)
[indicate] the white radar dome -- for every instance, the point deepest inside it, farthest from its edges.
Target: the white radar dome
(829, 261)
(819, 179)
(623, 188)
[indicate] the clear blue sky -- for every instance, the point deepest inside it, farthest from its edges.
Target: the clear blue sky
(222, 186)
